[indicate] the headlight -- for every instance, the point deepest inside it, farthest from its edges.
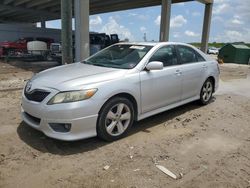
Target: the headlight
(72, 96)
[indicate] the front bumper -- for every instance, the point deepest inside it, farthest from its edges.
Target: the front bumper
(81, 115)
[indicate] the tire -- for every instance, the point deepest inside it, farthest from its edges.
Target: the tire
(206, 92)
(115, 119)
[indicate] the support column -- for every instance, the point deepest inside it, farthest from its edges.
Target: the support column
(81, 29)
(165, 20)
(206, 27)
(66, 20)
(43, 24)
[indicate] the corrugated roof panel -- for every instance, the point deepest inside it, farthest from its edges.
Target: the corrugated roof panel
(240, 46)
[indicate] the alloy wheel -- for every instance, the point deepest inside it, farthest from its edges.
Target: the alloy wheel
(207, 91)
(118, 119)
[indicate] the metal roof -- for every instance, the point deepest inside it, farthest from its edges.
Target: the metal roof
(31, 11)
(240, 46)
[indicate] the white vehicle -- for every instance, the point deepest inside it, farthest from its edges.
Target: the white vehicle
(126, 82)
(213, 50)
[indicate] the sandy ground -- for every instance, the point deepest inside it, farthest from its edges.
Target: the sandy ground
(209, 145)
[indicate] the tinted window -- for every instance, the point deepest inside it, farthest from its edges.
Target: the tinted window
(186, 54)
(166, 55)
(199, 57)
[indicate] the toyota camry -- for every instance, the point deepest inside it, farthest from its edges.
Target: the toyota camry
(106, 93)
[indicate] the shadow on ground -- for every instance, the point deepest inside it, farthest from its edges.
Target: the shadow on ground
(39, 141)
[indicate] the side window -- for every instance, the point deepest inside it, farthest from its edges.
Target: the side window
(186, 54)
(166, 55)
(199, 57)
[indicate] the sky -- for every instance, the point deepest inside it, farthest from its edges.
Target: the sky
(230, 22)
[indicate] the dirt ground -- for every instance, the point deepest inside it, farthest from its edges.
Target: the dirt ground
(209, 145)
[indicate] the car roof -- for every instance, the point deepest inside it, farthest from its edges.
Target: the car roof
(153, 43)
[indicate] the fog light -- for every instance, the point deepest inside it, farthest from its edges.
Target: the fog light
(67, 126)
(60, 127)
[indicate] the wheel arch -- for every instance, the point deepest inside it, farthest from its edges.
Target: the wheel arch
(213, 82)
(127, 96)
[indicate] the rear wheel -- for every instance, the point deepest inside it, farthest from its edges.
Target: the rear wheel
(115, 119)
(206, 92)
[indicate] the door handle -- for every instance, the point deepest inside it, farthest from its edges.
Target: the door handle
(204, 66)
(178, 72)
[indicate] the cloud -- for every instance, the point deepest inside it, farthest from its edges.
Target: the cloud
(143, 29)
(196, 14)
(220, 1)
(236, 20)
(233, 18)
(181, 4)
(95, 21)
(132, 14)
(175, 22)
(191, 33)
(112, 26)
(176, 35)
(242, 9)
(143, 17)
(139, 16)
(234, 36)
(221, 8)
(217, 19)
(158, 20)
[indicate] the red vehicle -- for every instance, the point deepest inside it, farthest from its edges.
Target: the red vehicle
(20, 46)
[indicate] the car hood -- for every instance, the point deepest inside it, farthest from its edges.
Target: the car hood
(74, 76)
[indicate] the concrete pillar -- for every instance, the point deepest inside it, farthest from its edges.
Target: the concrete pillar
(43, 24)
(81, 29)
(165, 20)
(206, 27)
(66, 19)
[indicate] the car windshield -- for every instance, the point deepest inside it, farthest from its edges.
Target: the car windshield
(123, 56)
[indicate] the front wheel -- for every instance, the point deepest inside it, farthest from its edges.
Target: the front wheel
(206, 92)
(115, 119)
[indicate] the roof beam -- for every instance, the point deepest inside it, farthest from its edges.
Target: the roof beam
(50, 9)
(110, 6)
(36, 3)
(206, 1)
(7, 2)
(8, 20)
(7, 12)
(20, 2)
(31, 11)
(51, 4)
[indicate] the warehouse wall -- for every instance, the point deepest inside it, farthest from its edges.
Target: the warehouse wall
(12, 32)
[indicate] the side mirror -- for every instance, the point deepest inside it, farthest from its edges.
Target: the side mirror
(154, 65)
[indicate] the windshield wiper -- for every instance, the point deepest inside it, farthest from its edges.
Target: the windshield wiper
(87, 62)
(98, 64)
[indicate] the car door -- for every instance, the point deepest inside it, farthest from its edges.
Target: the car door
(193, 70)
(160, 88)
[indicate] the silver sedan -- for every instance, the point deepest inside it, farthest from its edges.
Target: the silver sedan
(126, 82)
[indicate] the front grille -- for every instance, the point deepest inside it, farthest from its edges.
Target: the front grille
(36, 95)
(35, 119)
